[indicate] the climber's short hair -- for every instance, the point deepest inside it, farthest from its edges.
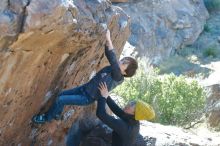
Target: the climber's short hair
(132, 66)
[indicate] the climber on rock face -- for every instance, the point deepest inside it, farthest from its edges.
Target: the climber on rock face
(86, 94)
(126, 127)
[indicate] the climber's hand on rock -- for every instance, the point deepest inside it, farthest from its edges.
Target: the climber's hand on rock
(109, 41)
(108, 35)
(103, 89)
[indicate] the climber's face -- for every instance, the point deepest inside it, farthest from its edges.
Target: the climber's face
(123, 64)
(130, 108)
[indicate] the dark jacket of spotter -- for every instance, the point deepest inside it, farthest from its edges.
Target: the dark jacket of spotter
(125, 129)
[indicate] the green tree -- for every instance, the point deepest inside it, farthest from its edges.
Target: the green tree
(177, 101)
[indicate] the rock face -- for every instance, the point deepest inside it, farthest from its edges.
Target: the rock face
(46, 46)
(159, 27)
(206, 51)
(213, 105)
(119, 1)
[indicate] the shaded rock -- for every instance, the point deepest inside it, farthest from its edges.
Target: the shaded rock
(152, 134)
(213, 105)
(81, 128)
(160, 27)
(46, 46)
(101, 136)
(219, 39)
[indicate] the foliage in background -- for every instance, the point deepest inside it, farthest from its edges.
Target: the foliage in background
(207, 28)
(176, 100)
(212, 5)
(211, 52)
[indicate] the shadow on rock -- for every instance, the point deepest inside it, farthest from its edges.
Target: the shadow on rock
(98, 135)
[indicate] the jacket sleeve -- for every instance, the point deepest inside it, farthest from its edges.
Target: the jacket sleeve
(117, 125)
(116, 109)
(111, 56)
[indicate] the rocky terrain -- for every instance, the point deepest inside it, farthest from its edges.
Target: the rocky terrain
(152, 134)
(201, 62)
(47, 46)
(160, 27)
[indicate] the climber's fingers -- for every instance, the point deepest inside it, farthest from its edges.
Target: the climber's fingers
(103, 89)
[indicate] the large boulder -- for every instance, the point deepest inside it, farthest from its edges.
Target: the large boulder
(160, 27)
(213, 105)
(46, 46)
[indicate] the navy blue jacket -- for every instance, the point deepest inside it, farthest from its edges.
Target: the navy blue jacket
(109, 74)
(125, 129)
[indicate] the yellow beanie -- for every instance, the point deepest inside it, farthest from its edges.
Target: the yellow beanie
(144, 111)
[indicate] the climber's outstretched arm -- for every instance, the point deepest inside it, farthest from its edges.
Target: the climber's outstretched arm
(109, 41)
(112, 58)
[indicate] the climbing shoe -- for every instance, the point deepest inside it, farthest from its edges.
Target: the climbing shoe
(39, 119)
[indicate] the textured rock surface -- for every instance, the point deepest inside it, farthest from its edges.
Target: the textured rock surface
(120, 1)
(159, 27)
(213, 106)
(50, 45)
(45, 46)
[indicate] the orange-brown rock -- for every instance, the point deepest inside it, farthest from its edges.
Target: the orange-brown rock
(45, 46)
